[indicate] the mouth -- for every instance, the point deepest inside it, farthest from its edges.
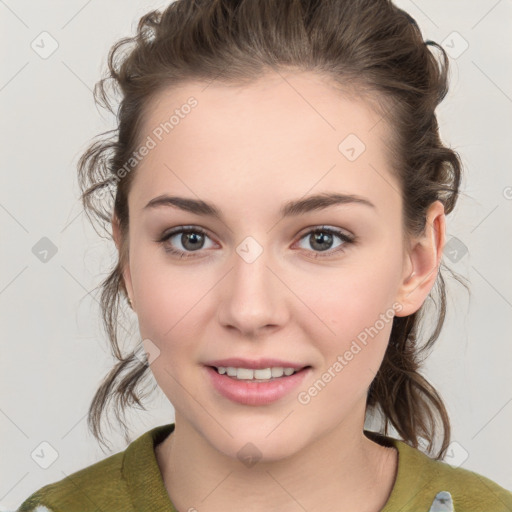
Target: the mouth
(268, 374)
(256, 386)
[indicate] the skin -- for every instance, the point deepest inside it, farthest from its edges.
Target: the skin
(248, 150)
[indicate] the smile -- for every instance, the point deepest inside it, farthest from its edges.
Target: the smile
(263, 374)
(248, 386)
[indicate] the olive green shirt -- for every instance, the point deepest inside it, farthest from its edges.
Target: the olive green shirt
(131, 481)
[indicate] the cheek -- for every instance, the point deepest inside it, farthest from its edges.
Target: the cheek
(172, 340)
(171, 311)
(166, 293)
(355, 299)
(358, 310)
(351, 359)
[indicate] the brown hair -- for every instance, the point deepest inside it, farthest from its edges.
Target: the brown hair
(368, 47)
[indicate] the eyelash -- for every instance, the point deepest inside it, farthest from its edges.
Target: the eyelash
(348, 240)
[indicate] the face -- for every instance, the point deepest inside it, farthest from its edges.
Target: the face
(314, 287)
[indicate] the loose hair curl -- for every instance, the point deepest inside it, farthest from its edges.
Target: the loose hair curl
(372, 50)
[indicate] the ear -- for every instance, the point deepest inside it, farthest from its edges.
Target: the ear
(422, 261)
(120, 244)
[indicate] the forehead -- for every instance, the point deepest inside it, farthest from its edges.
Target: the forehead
(289, 133)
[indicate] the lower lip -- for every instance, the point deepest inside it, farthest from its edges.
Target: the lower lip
(255, 393)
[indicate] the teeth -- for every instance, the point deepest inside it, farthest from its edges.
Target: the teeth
(264, 373)
(260, 374)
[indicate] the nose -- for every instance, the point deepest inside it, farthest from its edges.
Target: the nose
(253, 298)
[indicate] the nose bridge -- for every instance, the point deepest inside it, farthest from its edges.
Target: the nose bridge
(251, 301)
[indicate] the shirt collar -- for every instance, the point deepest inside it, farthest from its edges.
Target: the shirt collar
(148, 493)
(142, 473)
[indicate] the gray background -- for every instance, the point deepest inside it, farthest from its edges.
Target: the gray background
(54, 352)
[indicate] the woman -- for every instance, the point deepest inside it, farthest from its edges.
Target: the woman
(280, 191)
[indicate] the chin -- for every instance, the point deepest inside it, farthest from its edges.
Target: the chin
(251, 442)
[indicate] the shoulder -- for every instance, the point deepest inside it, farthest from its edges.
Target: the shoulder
(96, 487)
(470, 491)
(427, 484)
(127, 481)
(467, 490)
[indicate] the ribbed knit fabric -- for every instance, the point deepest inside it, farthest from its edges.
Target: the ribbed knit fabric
(130, 481)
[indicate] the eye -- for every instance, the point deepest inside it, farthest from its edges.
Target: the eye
(191, 238)
(321, 239)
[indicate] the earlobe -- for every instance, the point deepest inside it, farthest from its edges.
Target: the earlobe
(118, 240)
(116, 232)
(424, 259)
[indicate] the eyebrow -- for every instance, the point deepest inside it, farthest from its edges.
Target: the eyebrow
(289, 209)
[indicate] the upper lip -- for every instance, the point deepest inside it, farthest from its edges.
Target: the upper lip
(255, 364)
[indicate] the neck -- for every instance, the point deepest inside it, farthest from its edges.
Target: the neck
(358, 475)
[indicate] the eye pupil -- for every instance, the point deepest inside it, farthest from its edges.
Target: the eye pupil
(194, 237)
(321, 237)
